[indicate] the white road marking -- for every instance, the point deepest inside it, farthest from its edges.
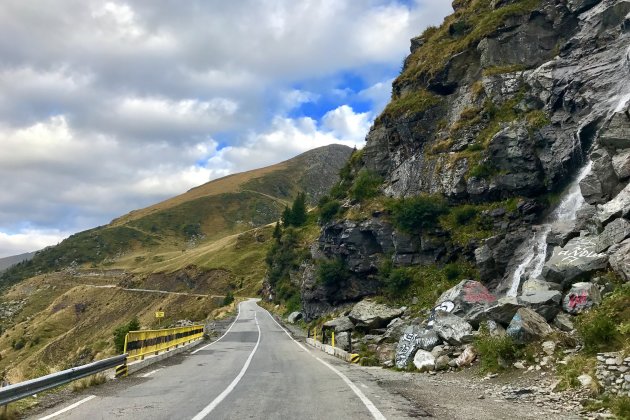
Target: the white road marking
(208, 409)
(68, 408)
(366, 401)
(146, 375)
(224, 334)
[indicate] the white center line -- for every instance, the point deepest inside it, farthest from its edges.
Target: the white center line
(68, 408)
(224, 334)
(208, 409)
(366, 401)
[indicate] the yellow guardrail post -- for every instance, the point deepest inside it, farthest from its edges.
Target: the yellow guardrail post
(333, 339)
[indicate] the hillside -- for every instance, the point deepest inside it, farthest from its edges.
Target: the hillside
(7, 262)
(201, 216)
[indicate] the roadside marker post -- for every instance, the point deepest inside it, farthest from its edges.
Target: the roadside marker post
(333, 339)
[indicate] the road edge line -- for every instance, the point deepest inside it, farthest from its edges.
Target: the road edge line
(208, 409)
(376, 413)
(68, 408)
(238, 307)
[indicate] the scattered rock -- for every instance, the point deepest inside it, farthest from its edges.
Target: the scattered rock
(424, 361)
(469, 299)
(563, 322)
(549, 347)
(585, 380)
(527, 326)
(342, 340)
(294, 317)
(386, 353)
(503, 310)
(467, 357)
(452, 329)
(370, 314)
(545, 303)
(581, 297)
(415, 337)
(441, 363)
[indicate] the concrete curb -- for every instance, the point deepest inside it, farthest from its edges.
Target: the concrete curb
(149, 360)
(333, 351)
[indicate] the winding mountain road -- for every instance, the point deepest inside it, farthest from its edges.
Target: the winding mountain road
(255, 370)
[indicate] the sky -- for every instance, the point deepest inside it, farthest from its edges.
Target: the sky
(107, 107)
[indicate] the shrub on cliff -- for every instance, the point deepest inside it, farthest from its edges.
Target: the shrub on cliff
(417, 213)
(332, 272)
(366, 185)
(121, 332)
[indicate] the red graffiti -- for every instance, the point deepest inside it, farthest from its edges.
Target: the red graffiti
(575, 299)
(475, 292)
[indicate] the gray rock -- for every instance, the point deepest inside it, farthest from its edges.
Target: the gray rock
(342, 340)
(581, 297)
(414, 337)
(452, 329)
(577, 259)
(294, 317)
(614, 233)
(467, 357)
(545, 303)
(579, 6)
(424, 361)
(340, 324)
(538, 285)
(441, 363)
(563, 322)
(616, 134)
(621, 164)
(470, 300)
(527, 326)
(494, 329)
(620, 259)
(503, 310)
(386, 353)
(617, 207)
(370, 314)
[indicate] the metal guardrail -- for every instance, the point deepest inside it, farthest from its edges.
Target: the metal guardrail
(25, 389)
(140, 343)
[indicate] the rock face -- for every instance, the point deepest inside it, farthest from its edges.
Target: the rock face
(340, 324)
(527, 326)
(581, 297)
(372, 315)
(620, 259)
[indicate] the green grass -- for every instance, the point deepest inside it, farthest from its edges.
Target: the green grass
(411, 103)
(510, 68)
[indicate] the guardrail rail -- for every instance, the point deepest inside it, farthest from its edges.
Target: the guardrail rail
(25, 389)
(140, 343)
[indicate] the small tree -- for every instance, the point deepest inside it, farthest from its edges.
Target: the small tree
(298, 210)
(287, 217)
(277, 232)
(121, 332)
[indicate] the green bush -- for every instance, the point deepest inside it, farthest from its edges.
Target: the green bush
(121, 332)
(366, 185)
(228, 299)
(496, 352)
(329, 210)
(417, 213)
(464, 214)
(598, 331)
(398, 281)
(332, 272)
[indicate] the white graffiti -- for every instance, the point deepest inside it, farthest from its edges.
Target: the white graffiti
(582, 249)
(446, 306)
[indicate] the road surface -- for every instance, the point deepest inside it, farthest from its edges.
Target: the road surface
(254, 371)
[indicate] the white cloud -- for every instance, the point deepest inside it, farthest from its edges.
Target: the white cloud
(110, 106)
(29, 240)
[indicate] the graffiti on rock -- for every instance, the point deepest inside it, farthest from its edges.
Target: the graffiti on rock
(476, 293)
(579, 249)
(406, 347)
(446, 306)
(580, 299)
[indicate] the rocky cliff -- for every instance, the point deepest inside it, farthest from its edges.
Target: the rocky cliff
(514, 113)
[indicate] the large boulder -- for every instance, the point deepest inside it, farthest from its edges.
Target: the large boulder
(614, 233)
(617, 207)
(546, 303)
(616, 134)
(467, 357)
(369, 314)
(527, 326)
(621, 164)
(294, 317)
(538, 285)
(414, 338)
(578, 258)
(503, 310)
(424, 361)
(340, 324)
(469, 299)
(581, 297)
(452, 329)
(620, 259)
(386, 353)
(342, 340)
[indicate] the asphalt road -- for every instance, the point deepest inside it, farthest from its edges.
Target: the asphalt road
(255, 371)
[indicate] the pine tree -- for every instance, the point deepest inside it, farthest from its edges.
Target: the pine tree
(277, 232)
(298, 210)
(287, 219)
